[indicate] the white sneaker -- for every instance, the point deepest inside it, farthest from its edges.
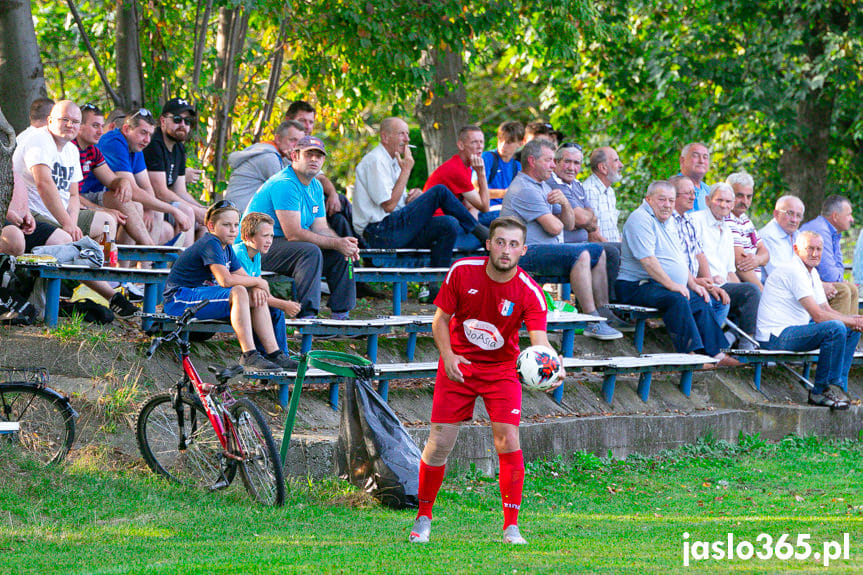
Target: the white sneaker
(421, 530)
(512, 535)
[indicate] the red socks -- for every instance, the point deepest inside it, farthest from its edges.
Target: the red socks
(511, 482)
(431, 479)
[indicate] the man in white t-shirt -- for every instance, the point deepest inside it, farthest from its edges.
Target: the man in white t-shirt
(50, 167)
(794, 315)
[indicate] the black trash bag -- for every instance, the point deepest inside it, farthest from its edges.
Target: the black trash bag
(374, 451)
(90, 311)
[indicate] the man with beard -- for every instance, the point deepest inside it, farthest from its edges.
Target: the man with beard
(165, 157)
(606, 166)
(480, 308)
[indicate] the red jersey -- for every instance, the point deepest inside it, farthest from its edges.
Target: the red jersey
(487, 315)
(454, 175)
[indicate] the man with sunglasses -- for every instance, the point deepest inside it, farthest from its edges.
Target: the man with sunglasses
(165, 156)
(780, 233)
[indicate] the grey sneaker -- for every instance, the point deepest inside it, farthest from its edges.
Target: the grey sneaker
(832, 397)
(257, 362)
(421, 530)
(601, 330)
(512, 535)
(613, 320)
(282, 360)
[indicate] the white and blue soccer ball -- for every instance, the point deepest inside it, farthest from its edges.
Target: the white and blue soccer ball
(538, 367)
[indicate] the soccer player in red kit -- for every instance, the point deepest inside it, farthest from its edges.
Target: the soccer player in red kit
(481, 306)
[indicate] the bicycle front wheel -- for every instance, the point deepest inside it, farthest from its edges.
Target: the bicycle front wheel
(46, 423)
(261, 465)
(178, 441)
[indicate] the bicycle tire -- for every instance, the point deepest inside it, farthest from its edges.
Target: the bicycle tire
(202, 463)
(46, 420)
(261, 464)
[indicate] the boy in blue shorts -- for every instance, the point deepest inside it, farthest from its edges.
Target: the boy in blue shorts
(256, 230)
(209, 270)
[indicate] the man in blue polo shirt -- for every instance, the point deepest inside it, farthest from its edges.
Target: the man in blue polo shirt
(654, 272)
(305, 246)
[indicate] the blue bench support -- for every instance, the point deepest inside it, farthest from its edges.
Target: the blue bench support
(758, 357)
(646, 365)
(639, 315)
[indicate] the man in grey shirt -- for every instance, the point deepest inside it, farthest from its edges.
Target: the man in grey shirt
(654, 272)
(547, 214)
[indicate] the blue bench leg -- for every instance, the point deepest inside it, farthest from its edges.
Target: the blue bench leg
(807, 368)
(384, 388)
(152, 293)
(397, 298)
(758, 366)
(306, 344)
(557, 394)
(334, 396)
(644, 385)
(608, 386)
(640, 325)
(567, 342)
(412, 345)
(373, 347)
(404, 291)
(52, 301)
(565, 291)
(284, 394)
(686, 383)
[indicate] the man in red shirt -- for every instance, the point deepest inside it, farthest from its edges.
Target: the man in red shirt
(481, 306)
(457, 174)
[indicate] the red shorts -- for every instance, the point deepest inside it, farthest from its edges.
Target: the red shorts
(496, 383)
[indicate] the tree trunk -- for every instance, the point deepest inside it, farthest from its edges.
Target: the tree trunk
(20, 63)
(127, 51)
(804, 165)
(7, 147)
(229, 45)
(442, 108)
(201, 25)
(273, 81)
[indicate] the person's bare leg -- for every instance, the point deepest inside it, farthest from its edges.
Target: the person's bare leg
(241, 319)
(101, 288)
(580, 281)
(599, 282)
(133, 231)
(98, 225)
(262, 324)
(752, 276)
(12, 241)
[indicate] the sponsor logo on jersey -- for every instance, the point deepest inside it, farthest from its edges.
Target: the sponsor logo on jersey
(483, 334)
(515, 411)
(315, 209)
(472, 291)
(505, 307)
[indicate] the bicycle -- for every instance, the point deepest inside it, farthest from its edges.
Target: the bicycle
(198, 434)
(35, 417)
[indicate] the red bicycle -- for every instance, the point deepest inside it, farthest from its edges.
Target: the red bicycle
(198, 434)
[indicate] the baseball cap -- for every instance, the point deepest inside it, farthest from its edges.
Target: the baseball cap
(311, 143)
(178, 105)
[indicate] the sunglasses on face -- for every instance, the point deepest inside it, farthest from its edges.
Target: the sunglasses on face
(177, 119)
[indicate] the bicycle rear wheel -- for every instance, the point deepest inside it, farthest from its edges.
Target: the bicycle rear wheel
(178, 441)
(45, 420)
(261, 465)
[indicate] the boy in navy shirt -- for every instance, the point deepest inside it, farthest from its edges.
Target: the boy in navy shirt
(208, 270)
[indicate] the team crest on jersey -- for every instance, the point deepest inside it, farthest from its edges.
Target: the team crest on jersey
(505, 307)
(483, 334)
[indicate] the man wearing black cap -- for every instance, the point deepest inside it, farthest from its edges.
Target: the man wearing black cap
(166, 156)
(304, 245)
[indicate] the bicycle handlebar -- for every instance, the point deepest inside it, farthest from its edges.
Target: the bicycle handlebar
(182, 322)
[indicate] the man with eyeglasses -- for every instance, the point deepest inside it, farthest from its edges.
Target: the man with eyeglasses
(123, 151)
(49, 165)
(835, 219)
(116, 199)
(165, 157)
(780, 233)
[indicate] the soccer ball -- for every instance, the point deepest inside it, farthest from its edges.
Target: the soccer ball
(538, 367)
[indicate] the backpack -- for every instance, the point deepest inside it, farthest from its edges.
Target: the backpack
(14, 307)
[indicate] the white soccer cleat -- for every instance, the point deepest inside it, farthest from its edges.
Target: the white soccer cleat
(421, 530)
(512, 535)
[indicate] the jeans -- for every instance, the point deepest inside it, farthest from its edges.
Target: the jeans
(836, 342)
(690, 322)
(745, 298)
(556, 260)
(414, 226)
(305, 263)
(612, 266)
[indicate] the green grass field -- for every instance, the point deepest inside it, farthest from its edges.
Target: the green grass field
(584, 515)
